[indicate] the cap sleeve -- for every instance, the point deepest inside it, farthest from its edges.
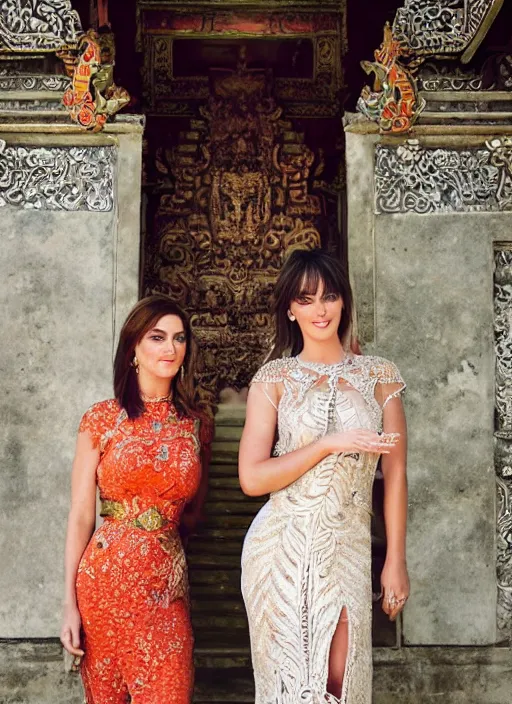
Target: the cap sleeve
(269, 375)
(391, 383)
(98, 420)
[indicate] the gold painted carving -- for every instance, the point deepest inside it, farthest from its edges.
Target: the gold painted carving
(240, 204)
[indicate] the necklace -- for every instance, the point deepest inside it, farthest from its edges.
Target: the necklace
(154, 399)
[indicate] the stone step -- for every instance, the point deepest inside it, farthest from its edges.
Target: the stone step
(222, 468)
(219, 605)
(205, 578)
(216, 657)
(232, 507)
(215, 483)
(230, 415)
(217, 590)
(228, 520)
(225, 450)
(229, 433)
(206, 546)
(233, 494)
(220, 622)
(234, 685)
(213, 560)
(220, 534)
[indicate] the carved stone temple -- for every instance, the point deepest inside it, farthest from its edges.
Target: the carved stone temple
(188, 147)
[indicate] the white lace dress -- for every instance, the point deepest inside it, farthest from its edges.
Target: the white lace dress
(307, 553)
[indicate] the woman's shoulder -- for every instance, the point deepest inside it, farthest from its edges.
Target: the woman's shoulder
(274, 371)
(381, 369)
(100, 415)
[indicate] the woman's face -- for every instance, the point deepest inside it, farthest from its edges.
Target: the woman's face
(162, 350)
(318, 315)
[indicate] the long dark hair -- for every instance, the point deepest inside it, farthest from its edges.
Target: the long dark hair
(140, 320)
(301, 274)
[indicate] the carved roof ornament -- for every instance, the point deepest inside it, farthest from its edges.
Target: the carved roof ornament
(38, 27)
(393, 103)
(93, 95)
(422, 29)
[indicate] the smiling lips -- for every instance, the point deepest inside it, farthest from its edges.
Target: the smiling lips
(321, 323)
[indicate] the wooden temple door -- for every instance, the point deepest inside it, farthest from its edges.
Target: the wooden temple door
(244, 163)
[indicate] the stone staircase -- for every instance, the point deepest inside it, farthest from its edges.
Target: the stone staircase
(222, 654)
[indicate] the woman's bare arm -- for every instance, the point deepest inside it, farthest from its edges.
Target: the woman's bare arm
(81, 522)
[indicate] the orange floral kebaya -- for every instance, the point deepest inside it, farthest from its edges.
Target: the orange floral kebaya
(132, 584)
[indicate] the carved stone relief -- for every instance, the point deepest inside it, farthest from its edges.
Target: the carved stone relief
(240, 201)
(503, 434)
(57, 178)
(414, 179)
(41, 82)
(35, 26)
(440, 27)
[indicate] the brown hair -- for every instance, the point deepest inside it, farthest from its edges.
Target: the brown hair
(301, 274)
(141, 319)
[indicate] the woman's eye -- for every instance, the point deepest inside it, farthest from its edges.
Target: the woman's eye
(331, 297)
(181, 338)
(303, 300)
(156, 337)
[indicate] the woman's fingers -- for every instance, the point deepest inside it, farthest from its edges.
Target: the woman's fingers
(392, 604)
(70, 640)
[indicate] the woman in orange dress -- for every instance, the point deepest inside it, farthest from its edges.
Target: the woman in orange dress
(126, 601)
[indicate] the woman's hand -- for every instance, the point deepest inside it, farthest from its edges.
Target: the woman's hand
(395, 587)
(70, 631)
(360, 440)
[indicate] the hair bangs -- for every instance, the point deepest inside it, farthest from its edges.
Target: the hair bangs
(316, 275)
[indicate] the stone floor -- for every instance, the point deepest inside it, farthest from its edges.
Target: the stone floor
(33, 673)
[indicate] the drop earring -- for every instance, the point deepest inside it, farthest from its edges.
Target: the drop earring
(135, 364)
(182, 373)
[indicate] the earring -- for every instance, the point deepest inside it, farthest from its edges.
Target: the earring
(182, 372)
(291, 316)
(135, 364)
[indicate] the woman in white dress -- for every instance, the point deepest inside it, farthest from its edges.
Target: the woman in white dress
(317, 422)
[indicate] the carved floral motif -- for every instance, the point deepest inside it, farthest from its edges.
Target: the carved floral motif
(503, 434)
(414, 179)
(35, 26)
(57, 178)
(429, 27)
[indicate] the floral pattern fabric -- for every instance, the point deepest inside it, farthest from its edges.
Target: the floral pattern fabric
(132, 586)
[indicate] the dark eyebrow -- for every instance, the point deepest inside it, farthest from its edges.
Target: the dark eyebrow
(163, 332)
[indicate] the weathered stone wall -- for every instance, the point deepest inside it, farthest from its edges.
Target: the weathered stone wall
(425, 217)
(69, 213)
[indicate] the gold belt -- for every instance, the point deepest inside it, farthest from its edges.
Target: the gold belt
(151, 519)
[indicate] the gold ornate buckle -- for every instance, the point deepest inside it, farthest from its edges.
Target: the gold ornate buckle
(112, 509)
(149, 520)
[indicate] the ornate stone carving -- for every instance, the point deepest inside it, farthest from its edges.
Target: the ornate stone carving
(57, 178)
(36, 82)
(441, 27)
(93, 95)
(35, 26)
(239, 204)
(435, 77)
(414, 179)
(503, 434)
(393, 103)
